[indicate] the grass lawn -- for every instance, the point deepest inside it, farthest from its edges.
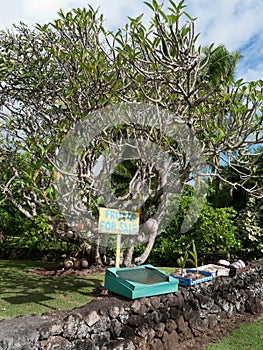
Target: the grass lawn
(22, 293)
(247, 337)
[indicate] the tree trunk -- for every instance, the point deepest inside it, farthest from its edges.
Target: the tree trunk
(217, 183)
(94, 257)
(141, 259)
(129, 253)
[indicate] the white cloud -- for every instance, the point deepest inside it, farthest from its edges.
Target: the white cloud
(229, 22)
(235, 23)
(250, 74)
(8, 12)
(115, 12)
(42, 10)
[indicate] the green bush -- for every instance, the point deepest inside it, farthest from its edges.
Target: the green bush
(30, 238)
(213, 233)
(12, 222)
(250, 228)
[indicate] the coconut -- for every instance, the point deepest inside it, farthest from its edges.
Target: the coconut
(76, 264)
(68, 263)
(84, 263)
(236, 264)
(241, 263)
(150, 226)
(223, 262)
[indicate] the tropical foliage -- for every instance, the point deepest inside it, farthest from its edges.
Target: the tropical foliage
(57, 75)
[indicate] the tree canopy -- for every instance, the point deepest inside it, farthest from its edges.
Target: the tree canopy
(54, 76)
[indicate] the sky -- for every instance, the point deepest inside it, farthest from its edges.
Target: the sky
(235, 23)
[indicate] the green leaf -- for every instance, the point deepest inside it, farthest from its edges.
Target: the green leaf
(155, 5)
(149, 5)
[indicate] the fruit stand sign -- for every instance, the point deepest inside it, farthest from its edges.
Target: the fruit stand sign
(119, 222)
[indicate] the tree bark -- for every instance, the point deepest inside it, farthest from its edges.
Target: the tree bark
(129, 252)
(141, 259)
(95, 258)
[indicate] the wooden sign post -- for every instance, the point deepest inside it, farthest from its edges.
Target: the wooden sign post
(119, 222)
(118, 250)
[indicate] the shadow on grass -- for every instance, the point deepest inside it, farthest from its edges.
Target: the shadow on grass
(26, 293)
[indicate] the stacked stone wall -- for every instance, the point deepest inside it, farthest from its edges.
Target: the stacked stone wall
(159, 322)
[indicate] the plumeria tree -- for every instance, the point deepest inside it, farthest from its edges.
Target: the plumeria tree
(58, 79)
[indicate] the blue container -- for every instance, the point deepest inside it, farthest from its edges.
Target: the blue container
(138, 282)
(185, 281)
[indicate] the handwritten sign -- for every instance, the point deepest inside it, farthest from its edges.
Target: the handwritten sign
(118, 221)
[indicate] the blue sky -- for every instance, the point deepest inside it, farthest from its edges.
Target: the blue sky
(236, 23)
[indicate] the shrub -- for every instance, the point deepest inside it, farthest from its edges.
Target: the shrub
(213, 233)
(249, 228)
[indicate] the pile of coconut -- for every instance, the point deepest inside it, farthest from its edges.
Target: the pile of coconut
(236, 264)
(76, 264)
(235, 267)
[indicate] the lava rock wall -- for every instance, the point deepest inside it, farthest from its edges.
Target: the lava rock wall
(158, 322)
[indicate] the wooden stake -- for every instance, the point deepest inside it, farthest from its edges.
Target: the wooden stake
(118, 250)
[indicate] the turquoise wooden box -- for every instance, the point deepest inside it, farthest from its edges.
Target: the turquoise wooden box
(138, 282)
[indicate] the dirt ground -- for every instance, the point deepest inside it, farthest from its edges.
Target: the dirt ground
(61, 272)
(219, 332)
(198, 343)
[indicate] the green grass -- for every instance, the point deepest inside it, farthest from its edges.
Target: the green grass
(22, 293)
(167, 270)
(247, 337)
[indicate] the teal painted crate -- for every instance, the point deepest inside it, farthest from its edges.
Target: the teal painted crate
(138, 282)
